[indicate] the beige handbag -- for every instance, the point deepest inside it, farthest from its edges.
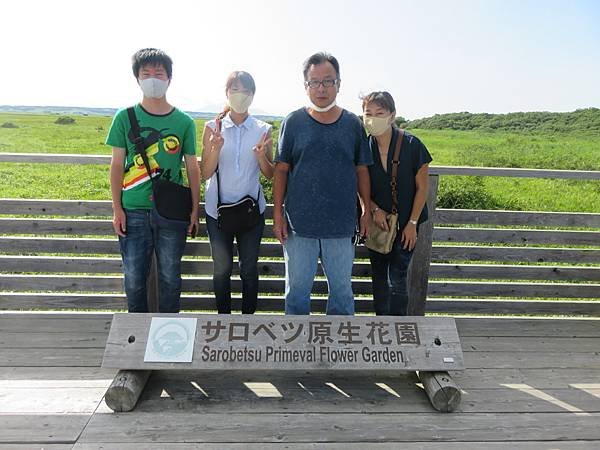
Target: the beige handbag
(380, 240)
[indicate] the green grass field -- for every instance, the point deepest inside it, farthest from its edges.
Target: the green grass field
(574, 151)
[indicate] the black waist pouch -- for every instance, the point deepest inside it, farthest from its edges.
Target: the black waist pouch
(239, 216)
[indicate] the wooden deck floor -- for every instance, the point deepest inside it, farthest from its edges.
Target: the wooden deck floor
(529, 383)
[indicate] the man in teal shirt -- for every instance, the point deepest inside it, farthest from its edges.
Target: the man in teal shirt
(169, 135)
(322, 163)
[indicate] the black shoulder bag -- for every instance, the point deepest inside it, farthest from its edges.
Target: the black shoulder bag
(239, 216)
(171, 200)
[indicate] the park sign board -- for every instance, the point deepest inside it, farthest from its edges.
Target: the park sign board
(219, 341)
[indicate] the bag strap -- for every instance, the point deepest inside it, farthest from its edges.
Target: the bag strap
(395, 164)
(138, 141)
(218, 190)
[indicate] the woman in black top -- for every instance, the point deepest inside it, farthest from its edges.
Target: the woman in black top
(390, 295)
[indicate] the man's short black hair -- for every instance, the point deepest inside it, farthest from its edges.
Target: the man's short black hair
(153, 57)
(320, 58)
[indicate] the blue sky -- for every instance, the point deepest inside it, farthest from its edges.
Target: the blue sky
(433, 56)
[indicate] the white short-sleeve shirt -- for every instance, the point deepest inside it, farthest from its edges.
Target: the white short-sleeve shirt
(239, 170)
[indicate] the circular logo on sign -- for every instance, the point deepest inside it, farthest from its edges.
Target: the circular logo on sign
(170, 340)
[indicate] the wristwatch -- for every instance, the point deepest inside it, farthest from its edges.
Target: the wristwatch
(414, 222)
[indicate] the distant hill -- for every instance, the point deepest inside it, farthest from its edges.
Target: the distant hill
(582, 120)
(83, 111)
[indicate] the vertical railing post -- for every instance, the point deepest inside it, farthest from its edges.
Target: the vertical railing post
(418, 271)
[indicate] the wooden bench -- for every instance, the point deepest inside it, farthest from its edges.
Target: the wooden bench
(140, 343)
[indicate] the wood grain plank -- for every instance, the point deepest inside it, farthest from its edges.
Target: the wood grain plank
(87, 283)
(14, 263)
(197, 247)
(41, 428)
(56, 376)
(443, 253)
(279, 428)
(516, 236)
(512, 306)
(515, 172)
(528, 344)
(521, 218)
(515, 272)
(44, 207)
(55, 357)
(421, 445)
(103, 302)
(56, 158)
(10, 225)
(55, 323)
(55, 226)
(36, 446)
(532, 360)
(64, 400)
(34, 339)
(266, 268)
(96, 208)
(512, 289)
(65, 158)
(206, 302)
(35, 245)
(580, 328)
(544, 379)
(15, 301)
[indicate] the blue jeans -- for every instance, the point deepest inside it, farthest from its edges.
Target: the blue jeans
(221, 248)
(144, 237)
(390, 292)
(301, 257)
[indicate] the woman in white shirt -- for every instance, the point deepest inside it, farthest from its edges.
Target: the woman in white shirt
(239, 147)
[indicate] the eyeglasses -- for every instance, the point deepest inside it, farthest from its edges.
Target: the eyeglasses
(325, 83)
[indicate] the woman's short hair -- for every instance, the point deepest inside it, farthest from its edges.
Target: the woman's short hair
(382, 99)
(244, 78)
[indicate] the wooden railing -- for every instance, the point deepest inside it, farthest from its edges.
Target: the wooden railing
(71, 259)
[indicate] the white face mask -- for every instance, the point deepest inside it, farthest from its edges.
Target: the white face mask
(240, 102)
(376, 126)
(316, 108)
(154, 87)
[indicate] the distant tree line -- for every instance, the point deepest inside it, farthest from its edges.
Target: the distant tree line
(581, 120)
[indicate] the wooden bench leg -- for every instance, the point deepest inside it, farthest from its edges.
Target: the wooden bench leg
(442, 391)
(125, 390)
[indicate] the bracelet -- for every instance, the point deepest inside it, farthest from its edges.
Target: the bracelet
(414, 222)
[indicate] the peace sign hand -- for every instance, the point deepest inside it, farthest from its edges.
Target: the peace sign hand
(216, 138)
(260, 149)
